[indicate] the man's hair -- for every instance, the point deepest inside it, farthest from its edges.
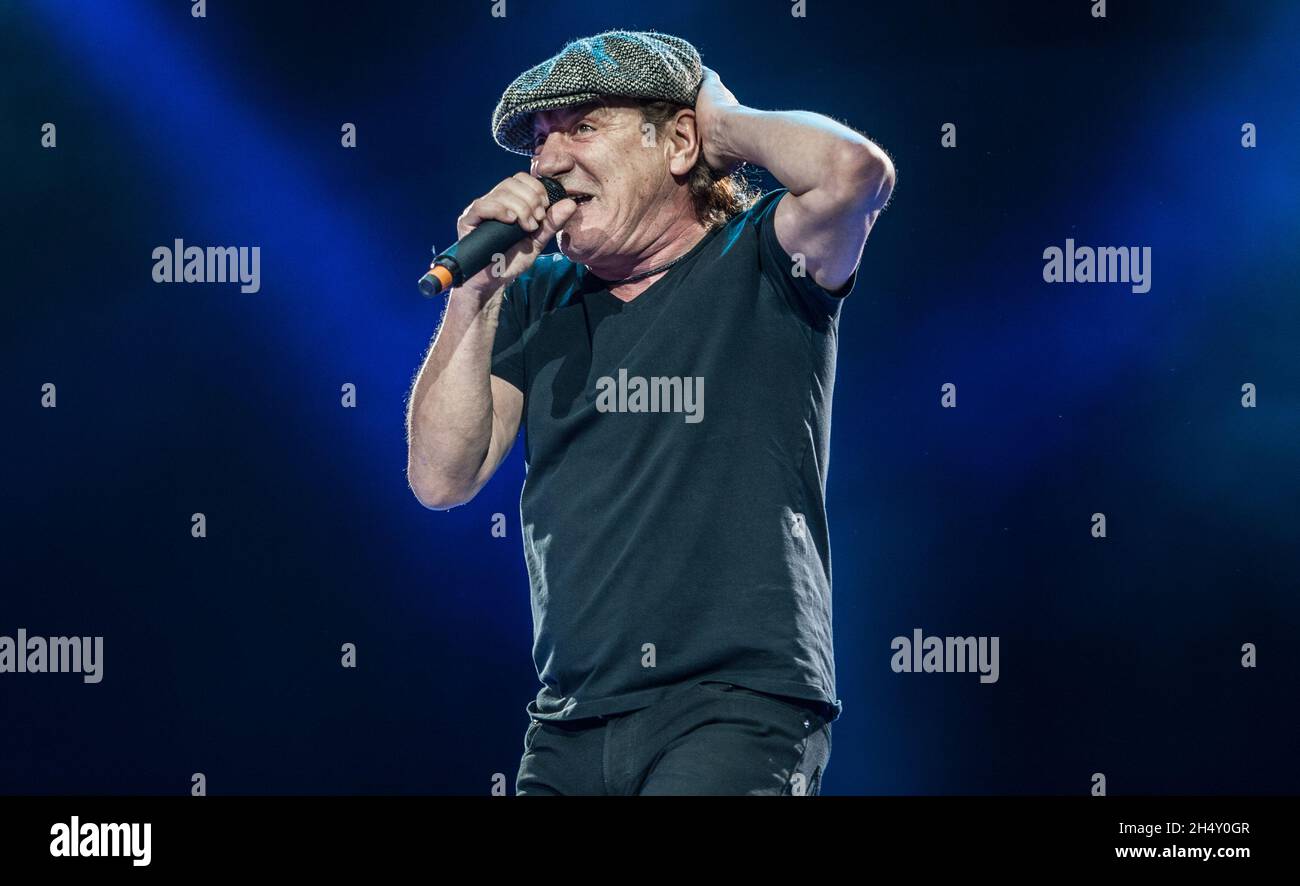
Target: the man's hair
(717, 196)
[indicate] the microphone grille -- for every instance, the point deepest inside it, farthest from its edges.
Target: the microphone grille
(554, 190)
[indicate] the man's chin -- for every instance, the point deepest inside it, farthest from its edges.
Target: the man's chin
(569, 249)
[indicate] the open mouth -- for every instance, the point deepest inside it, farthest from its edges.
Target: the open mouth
(582, 198)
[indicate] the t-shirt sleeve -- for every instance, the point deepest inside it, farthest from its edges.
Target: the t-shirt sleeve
(508, 346)
(780, 267)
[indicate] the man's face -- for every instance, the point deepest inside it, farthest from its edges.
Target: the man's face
(603, 151)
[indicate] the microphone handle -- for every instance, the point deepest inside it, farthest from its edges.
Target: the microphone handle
(470, 254)
(473, 252)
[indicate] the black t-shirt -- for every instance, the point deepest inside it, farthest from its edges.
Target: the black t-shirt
(674, 516)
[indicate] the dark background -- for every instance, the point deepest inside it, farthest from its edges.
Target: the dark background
(221, 655)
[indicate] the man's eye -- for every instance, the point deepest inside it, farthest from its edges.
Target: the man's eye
(538, 141)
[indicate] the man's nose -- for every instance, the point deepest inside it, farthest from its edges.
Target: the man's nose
(552, 160)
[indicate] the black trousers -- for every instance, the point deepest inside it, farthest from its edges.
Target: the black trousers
(705, 738)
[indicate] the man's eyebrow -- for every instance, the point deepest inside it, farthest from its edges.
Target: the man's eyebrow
(568, 115)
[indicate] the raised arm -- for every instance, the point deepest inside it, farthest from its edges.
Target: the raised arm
(838, 179)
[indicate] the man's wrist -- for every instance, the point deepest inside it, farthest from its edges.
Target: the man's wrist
(730, 132)
(474, 299)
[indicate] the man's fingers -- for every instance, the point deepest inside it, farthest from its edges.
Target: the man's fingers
(512, 204)
(520, 199)
(531, 192)
(556, 217)
(531, 185)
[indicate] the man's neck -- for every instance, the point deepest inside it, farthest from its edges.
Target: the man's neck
(672, 245)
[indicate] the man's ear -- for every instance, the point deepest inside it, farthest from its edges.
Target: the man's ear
(683, 142)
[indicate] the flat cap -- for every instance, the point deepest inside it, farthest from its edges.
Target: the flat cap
(633, 64)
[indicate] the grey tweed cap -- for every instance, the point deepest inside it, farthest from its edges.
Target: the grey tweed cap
(635, 64)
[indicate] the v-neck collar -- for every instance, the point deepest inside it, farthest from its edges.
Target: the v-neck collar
(598, 288)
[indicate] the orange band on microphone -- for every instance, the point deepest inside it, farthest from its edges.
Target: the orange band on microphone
(443, 275)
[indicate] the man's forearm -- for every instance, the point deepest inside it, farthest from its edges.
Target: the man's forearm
(449, 422)
(804, 150)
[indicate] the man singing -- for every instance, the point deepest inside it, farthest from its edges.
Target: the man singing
(672, 367)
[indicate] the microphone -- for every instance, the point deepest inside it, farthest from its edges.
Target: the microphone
(473, 252)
